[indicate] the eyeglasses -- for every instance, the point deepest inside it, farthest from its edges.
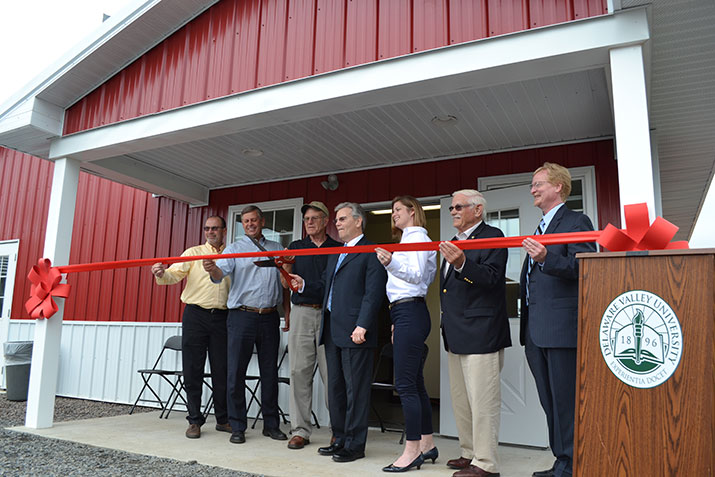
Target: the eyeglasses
(459, 207)
(536, 185)
(214, 228)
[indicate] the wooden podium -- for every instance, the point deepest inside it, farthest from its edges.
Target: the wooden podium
(632, 420)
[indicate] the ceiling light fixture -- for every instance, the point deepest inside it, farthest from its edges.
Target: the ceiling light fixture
(444, 120)
(251, 152)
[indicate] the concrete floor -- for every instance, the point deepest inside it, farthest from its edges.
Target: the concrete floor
(145, 433)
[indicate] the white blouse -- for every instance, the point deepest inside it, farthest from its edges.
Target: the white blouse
(410, 273)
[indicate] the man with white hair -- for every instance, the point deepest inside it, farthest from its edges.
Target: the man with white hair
(475, 328)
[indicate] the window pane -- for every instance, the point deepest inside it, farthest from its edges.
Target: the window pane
(575, 199)
(279, 226)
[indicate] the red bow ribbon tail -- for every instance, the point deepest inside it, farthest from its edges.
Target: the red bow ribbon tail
(45, 284)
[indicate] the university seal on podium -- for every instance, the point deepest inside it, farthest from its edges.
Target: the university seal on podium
(640, 339)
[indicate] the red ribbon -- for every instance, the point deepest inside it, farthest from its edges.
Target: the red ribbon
(639, 235)
(45, 285)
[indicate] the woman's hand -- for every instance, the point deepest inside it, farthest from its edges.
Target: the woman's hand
(383, 256)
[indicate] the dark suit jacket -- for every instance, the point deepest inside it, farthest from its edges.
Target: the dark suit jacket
(552, 315)
(474, 319)
(358, 292)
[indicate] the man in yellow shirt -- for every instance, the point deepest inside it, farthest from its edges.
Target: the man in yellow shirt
(203, 326)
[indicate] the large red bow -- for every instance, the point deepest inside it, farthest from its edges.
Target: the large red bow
(45, 284)
(639, 233)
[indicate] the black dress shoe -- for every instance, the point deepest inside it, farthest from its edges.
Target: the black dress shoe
(275, 434)
(330, 450)
(347, 455)
(419, 460)
(433, 453)
(237, 437)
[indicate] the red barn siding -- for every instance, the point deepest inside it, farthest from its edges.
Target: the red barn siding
(112, 222)
(239, 45)
(115, 222)
(438, 178)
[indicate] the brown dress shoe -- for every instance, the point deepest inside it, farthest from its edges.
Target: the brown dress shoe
(474, 471)
(460, 463)
(298, 442)
(223, 427)
(194, 431)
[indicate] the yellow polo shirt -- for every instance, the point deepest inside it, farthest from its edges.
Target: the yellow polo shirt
(199, 290)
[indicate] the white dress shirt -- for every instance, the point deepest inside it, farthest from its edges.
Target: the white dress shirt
(410, 273)
(461, 236)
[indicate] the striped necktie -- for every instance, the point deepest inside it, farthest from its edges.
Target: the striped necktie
(341, 257)
(539, 231)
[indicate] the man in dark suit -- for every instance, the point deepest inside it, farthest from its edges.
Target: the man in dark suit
(354, 291)
(549, 311)
(475, 328)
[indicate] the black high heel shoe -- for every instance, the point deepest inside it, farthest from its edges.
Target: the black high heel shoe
(415, 463)
(433, 453)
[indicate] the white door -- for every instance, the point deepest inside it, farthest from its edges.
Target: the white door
(8, 263)
(522, 420)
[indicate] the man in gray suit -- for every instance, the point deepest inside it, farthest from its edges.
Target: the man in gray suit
(549, 311)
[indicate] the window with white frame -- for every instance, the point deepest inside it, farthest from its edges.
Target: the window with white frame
(283, 220)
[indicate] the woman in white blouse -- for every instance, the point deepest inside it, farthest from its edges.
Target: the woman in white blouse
(409, 275)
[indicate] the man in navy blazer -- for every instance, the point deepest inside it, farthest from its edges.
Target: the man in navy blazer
(549, 311)
(475, 328)
(354, 286)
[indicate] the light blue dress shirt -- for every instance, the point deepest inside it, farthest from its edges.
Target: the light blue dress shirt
(258, 287)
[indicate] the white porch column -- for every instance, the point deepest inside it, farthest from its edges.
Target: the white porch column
(48, 333)
(630, 111)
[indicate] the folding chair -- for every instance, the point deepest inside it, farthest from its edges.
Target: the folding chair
(386, 358)
(177, 395)
(171, 376)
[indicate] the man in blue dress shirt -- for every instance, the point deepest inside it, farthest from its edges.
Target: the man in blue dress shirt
(253, 320)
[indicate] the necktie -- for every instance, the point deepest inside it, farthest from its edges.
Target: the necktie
(337, 266)
(539, 231)
(446, 263)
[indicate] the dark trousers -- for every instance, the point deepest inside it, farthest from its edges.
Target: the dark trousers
(349, 376)
(554, 371)
(246, 330)
(412, 327)
(202, 331)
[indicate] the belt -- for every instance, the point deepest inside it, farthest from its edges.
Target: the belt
(209, 310)
(260, 311)
(406, 300)
(310, 305)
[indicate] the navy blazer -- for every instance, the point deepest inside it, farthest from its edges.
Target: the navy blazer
(358, 293)
(551, 317)
(474, 319)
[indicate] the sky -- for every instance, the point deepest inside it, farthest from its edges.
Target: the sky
(34, 34)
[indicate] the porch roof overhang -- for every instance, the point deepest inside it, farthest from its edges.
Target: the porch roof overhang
(527, 89)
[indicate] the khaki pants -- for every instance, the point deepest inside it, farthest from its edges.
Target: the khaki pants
(303, 352)
(476, 400)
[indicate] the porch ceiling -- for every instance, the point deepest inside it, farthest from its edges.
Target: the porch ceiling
(567, 107)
